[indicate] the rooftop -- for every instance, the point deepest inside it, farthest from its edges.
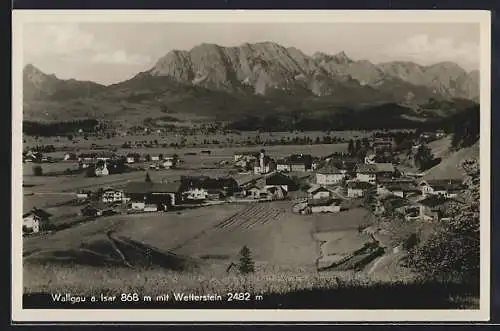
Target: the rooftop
(445, 184)
(324, 202)
(278, 179)
(359, 185)
(149, 187)
(38, 212)
(329, 168)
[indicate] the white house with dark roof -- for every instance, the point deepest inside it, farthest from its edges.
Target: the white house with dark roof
(366, 173)
(34, 220)
(111, 195)
(330, 175)
(319, 192)
(357, 189)
(448, 188)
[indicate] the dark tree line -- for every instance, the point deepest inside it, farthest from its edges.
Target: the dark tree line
(60, 128)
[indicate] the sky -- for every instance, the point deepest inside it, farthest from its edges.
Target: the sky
(108, 53)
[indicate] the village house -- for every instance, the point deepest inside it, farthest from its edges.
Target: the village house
(324, 205)
(35, 220)
(101, 169)
(276, 193)
(168, 162)
(392, 204)
(253, 191)
(400, 188)
(283, 165)
(87, 157)
(382, 144)
(279, 180)
(300, 162)
(370, 158)
(319, 192)
(194, 194)
(32, 156)
(245, 155)
(370, 173)
(357, 189)
(264, 164)
(148, 208)
(330, 175)
(70, 157)
(104, 156)
(111, 195)
(96, 210)
(132, 158)
(448, 188)
(385, 170)
(366, 173)
(435, 208)
(155, 158)
(215, 195)
(164, 195)
(82, 195)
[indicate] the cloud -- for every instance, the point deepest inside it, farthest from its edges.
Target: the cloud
(62, 39)
(421, 47)
(121, 57)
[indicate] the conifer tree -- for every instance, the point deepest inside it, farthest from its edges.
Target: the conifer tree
(148, 179)
(246, 263)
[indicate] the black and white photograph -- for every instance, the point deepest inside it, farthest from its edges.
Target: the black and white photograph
(237, 165)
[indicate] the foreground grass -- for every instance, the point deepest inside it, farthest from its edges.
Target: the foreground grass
(280, 288)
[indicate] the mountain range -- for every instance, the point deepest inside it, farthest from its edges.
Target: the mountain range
(259, 78)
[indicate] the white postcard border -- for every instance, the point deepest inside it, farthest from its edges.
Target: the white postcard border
(19, 17)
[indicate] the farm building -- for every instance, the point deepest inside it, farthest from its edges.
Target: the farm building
(110, 195)
(168, 163)
(366, 173)
(215, 194)
(105, 156)
(324, 205)
(279, 180)
(194, 194)
(283, 165)
(101, 168)
(155, 158)
(247, 155)
(357, 189)
(319, 192)
(382, 144)
(137, 205)
(370, 173)
(448, 188)
(329, 175)
(82, 195)
(253, 192)
(401, 188)
(35, 220)
(300, 162)
(97, 209)
(133, 157)
(150, 208)
(70, 157)
(385, 170)
(164, 194)
(276, 193)
(435, 208)
(202, 184)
